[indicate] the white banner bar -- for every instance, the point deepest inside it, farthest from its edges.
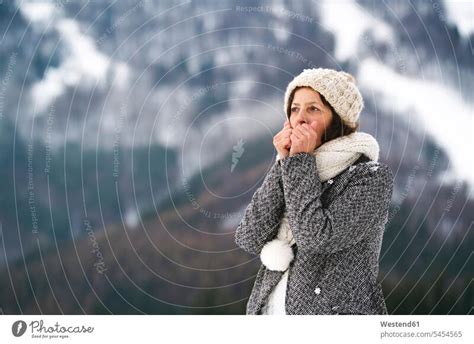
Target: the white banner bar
(429, 329)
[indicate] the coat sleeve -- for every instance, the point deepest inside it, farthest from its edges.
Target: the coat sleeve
(355, 213)
(262, 216)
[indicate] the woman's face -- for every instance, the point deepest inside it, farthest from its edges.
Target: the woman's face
(308, 107)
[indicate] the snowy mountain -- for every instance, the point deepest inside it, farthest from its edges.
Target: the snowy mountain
(114, 111)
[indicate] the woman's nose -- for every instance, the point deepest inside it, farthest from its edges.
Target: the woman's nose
(301, 118)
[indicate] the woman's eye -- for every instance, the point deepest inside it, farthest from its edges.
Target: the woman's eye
(294, 109)
(314, 108)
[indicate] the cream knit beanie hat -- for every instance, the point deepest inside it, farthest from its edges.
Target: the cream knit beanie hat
(338, 87)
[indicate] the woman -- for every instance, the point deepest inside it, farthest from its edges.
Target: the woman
(317, 221)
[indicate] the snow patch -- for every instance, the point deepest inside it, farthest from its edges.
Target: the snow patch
(461, 13)
(440, 110)
(82, 64)
(348, 22)
(37, 12)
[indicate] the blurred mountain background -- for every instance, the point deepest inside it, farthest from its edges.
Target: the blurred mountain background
(134, 134)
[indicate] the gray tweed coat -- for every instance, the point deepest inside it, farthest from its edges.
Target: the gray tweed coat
(338, 227)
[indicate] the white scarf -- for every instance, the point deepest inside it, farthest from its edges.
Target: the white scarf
(332, 158)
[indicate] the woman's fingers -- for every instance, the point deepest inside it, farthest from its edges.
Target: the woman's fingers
(310, 132)
(282, 141)
(283, 134)
(296, 135)
(304, 138)
(302, 131)
(304, 135)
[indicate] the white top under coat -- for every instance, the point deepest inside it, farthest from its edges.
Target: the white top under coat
(276, 300)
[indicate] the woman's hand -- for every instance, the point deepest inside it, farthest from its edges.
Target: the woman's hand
(282, 141)
(304, 138)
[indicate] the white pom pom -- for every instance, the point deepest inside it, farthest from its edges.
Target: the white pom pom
(276, 255)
